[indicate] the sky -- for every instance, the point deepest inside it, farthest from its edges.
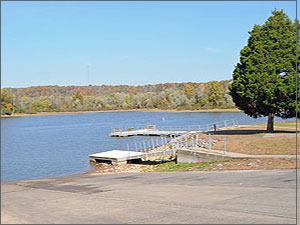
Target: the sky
(132, 43)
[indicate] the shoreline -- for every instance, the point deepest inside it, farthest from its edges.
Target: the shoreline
(123, 110)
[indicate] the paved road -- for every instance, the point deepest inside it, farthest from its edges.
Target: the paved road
(174, 197)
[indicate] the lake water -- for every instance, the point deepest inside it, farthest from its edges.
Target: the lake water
(35, 147)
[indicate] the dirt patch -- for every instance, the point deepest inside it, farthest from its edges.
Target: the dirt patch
(254, 164)
(251, 140)
(292, 135)
(108, 168)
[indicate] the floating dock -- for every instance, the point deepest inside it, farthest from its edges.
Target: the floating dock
(119, 156)
(115, 156)
(150, 130)
(145, 132)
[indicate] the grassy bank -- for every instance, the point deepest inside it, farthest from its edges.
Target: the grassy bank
(234, 164)
(127, 110)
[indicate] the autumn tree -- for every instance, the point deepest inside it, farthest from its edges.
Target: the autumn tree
(189, 90)
(264, 79)
(215, 93)
(6, 102)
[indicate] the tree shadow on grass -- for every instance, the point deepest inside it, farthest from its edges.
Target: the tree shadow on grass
(248, 132)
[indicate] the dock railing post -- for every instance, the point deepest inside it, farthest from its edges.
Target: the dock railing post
(209, 142)
(162, 142)
(195, 140)
(128, 151)
(127, 146)
(224, 145)
(153, 146)
(166, 143)
(136, 147)
(186, 141)
(144, 146)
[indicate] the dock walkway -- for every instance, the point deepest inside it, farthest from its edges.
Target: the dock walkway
(145, 132)
(153, 130)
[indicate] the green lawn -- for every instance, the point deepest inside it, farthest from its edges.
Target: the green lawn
(172, 166)
(282, 124)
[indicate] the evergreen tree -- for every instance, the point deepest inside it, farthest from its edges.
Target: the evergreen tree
(264, 79)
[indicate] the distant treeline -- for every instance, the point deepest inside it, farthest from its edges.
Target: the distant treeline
(190, 95)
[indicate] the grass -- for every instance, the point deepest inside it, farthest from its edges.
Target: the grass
(233, 164)
(288, 124)
(172, 166)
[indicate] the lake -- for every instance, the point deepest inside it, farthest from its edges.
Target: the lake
(35, 147)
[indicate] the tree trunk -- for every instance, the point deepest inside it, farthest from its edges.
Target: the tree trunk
(270, 127)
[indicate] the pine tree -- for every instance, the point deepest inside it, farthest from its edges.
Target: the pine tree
(264, 79)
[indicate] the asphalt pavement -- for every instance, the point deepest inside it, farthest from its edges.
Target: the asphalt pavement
(167, 197)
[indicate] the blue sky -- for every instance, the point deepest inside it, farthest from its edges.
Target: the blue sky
(134, 43)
